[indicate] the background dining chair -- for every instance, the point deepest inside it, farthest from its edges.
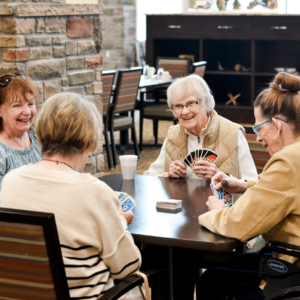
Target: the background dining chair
(199, 68)
(31, 260)
(108, 78)
(259, 153)
(124, 99)
(177, 67)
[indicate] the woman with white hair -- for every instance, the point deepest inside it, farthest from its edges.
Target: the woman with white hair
(201, 127)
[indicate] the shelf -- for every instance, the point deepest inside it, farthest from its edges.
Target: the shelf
(234, 73)
(265, 74)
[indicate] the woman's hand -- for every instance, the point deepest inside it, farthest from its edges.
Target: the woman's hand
(214, 203)
(128, 215)
(205, 169)
(233, 185)
(177, 169)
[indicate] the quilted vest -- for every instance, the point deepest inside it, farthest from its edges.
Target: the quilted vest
(221, 136)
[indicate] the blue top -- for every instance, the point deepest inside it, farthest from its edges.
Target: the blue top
(11, 159)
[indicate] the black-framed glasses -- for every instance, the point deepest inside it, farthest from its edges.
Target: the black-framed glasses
(189, 105)
(257, 129)
(6, 79)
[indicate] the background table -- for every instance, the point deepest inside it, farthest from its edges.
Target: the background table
(181, 229)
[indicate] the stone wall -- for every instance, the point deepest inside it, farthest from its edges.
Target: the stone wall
(56, 46)
(119, 34)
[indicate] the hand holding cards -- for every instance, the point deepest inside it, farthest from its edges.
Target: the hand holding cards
(221, 194)
(126, 201)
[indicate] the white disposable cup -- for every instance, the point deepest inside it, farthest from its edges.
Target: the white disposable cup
(128, 165)
(165, 76)
(151, 72)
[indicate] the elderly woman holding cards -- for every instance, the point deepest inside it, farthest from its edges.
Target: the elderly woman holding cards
(200, 127)
(96, 245)
(270, 206)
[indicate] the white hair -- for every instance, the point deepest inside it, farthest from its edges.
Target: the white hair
(192, 85)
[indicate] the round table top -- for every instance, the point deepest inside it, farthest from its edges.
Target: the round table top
(179, 229)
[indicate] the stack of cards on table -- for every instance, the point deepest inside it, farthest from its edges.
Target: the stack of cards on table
(126, 201)
(221, 194)
(200, 154)
(169, 205)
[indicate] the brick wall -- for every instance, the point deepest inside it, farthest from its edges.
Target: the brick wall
(119, 34)
(56, 46)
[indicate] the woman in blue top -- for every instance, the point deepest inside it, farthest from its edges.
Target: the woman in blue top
(18, 144)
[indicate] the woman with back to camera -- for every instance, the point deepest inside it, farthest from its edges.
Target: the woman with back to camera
(270, 206)
(95, 244)
(201, 127)
(18, 144)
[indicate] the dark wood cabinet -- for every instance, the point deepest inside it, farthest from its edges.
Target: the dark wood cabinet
(259, 43)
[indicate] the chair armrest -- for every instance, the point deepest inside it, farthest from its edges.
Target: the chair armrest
(280, 247)
(128, 284)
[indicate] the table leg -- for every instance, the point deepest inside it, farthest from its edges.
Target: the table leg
(170, 273)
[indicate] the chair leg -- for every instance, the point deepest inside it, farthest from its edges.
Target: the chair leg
(155, 130)
(141, 133)
(136, 147)
(108, 150)
(113, 144)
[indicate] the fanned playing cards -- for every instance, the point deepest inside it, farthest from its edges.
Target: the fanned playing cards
(200, 154)
(221, 194)
(126, 201)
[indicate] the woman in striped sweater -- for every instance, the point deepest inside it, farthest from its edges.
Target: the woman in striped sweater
(96, 245)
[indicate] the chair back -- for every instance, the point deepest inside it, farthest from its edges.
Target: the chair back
(199, 68)
(107, 84)
(127, 86)
(177, 67)
(31, 265)
(259, 153)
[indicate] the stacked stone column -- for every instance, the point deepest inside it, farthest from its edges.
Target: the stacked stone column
(56, 46)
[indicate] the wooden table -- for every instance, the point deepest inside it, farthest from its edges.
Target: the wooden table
(169, 229)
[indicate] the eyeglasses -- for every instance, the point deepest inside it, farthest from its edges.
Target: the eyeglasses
(257, 130)
(189, 105)
(6, 79)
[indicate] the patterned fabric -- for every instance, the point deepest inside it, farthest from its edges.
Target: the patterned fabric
(107, 82)
(259, 153)
(200, 70)
(11, 159)
(25, 270)
(127, 91)
(176, 67)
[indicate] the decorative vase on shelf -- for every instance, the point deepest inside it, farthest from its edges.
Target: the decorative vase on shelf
(236, 4)
(222, 4)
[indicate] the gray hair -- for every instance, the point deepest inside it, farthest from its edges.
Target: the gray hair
(192, 85)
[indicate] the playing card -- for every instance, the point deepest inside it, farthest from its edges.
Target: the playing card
(204, 151)
(189, 158)
(194, 158)
(186, 161)
(217, 193)
(211, 156)
(199, 154)
(126, 201)
(228, 197)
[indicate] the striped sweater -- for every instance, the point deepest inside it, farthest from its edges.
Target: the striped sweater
(95, 243)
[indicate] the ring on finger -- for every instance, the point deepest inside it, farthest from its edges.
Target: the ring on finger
(203, 173)
(175, 171)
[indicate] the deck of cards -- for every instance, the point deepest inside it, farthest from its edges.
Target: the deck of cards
(221, 194)
(200, 154)
(126, 201)
(169, 205)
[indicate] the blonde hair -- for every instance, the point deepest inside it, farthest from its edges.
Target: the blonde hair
(282, 98)
(67, 124)
(192, 85)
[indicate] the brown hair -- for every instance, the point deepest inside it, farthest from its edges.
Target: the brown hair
(68, 124)
(18, 89)
(276, 101)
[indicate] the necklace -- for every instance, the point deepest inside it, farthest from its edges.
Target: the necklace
(25, 148)
(57, 162)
